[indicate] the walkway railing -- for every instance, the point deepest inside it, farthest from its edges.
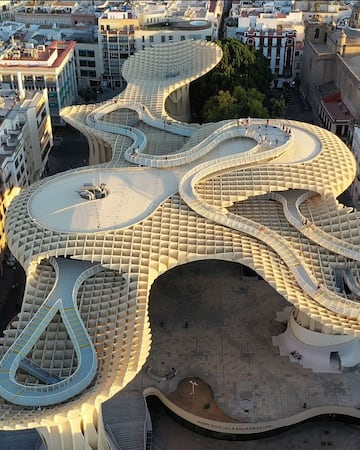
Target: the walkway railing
(70, 274)
(292, 213)
(295, 262)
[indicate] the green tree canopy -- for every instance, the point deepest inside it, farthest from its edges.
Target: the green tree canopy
(241, 103)
(243, 72)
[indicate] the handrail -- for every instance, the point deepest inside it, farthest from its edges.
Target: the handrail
(310, 230)
(65, 302)
(295, 263)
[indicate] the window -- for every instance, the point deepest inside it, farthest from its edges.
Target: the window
(182, 38)
(171, 38)
(250, 42)
(151, 38)
(162, 38)
(317, 33)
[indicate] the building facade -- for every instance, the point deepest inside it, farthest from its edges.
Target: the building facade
(25, 142)
(278, 36)
(55, 13)
(330, 78)
(88, 64)
(50, 67)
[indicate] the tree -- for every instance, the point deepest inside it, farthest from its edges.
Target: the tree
(278, 106)
(241, 67)
(219, 107)
(241, 103)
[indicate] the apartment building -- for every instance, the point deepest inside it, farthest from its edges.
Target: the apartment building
(25, 142)
(277, 35)
(330, 78)
(39, 67)
(55, 13)
(88, 62)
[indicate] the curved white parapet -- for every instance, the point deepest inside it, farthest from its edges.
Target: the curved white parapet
(248, 428)
(62, 300)
(316, 339)
(320, 352)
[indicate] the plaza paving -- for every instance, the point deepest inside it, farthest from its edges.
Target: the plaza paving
(211, 323)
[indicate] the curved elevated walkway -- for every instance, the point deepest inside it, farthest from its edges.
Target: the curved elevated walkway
(62, 299)
(291, 201)
(290, 257)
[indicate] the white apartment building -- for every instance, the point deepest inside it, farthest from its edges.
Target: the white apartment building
(25, 142)
(277, 35)
(39, 67)
(57, 13)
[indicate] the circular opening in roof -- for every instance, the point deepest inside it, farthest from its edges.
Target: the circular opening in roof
(198, 23)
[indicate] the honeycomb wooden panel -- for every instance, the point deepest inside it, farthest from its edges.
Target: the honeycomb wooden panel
(220, 212)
